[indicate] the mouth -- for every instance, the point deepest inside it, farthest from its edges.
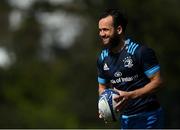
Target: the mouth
(105, 40)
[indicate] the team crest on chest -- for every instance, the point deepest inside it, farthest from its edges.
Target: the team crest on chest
(128, 62)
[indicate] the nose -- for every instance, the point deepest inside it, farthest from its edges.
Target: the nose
(102, 33)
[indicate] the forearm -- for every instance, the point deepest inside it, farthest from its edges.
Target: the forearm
(149, 88)
(146, 90)
(101, 88)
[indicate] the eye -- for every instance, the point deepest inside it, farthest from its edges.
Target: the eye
(105, 29)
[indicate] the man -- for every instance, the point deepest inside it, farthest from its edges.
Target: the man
(132, 70)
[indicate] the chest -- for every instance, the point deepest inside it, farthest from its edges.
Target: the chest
(122, 65)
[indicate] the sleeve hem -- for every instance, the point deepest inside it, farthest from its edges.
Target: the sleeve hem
(152, 71)
(101, 80)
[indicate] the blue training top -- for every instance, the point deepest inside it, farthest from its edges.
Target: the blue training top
(128, 70)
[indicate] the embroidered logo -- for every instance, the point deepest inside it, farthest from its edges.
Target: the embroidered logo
(128, 62)
(106, 67)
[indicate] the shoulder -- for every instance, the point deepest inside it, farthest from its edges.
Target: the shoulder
(145, 50)
(132, 47)
(103, 54)
(136, 48)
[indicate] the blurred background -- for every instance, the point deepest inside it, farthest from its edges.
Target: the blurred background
(48, 51)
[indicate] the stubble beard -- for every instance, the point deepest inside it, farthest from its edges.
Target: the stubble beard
(114, 41)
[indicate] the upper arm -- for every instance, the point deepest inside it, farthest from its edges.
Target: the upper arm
(102, 78)
(151, 66)
(149, 62)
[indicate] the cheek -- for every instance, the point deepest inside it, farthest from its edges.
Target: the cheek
(111, 33)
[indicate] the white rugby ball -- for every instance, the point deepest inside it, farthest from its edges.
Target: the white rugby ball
(106, 105)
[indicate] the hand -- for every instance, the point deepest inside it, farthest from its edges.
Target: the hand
(99, 115)
(122, 99)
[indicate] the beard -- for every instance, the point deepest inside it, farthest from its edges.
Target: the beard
(112, 43)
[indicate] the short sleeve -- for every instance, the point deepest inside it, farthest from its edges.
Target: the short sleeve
(102, 79)
(149, 61)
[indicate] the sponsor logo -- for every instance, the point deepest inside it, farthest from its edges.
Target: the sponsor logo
(106, 67)
(128, 62)
(126, 79)
(117, 74)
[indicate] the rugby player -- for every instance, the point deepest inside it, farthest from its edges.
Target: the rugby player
(132, 69)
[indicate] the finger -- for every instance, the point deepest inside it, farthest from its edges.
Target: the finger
(116, 97)
(119, 108)
(100, 116)
(120, 104)
(123, 99)
(119, 91)
(116, 90)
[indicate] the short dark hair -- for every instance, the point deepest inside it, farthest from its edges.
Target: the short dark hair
(119, 18)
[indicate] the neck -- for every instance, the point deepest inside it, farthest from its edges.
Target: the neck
(119, 47)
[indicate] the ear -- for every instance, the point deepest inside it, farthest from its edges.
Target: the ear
(119, 30)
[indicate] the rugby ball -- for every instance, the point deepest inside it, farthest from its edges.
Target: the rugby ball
(106, 105)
